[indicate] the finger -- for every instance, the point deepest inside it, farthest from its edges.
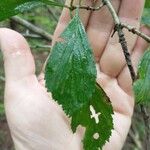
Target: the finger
(65, 17)
(130, 12)
(99, 28)
(124, 79)
(18, 60)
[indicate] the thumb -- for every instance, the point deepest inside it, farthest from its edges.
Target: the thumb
(18, 60)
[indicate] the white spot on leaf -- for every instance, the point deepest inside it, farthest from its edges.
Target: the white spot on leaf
(96, 136)
(94, 114)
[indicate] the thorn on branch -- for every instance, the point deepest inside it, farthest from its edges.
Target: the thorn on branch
(115, 30)
(135, 31)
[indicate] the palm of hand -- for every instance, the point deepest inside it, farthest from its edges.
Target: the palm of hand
(35, 120)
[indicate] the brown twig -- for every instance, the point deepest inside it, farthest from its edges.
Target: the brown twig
(32, 28)
(89, 7)
(135, 31)
(71, 3)
(128, 27)
(72, 7)
(123, 43)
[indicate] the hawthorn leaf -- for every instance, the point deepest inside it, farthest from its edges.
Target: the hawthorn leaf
(9, 8)
(98, 128)
(70, 71)
(142, 86)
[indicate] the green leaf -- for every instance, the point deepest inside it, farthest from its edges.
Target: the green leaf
(147, 4)
(10, 8)
(142, 85)
(101, 127)
(146, 16)
(70, 72)
(146, 13)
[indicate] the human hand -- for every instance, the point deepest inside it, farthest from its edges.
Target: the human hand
(35, 120)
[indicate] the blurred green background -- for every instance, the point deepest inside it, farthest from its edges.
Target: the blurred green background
(46, 18)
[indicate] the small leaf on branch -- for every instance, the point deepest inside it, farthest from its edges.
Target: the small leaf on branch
(9, 8)
(142, 85)
(96, 117)
(70, 72)
(146, 16)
